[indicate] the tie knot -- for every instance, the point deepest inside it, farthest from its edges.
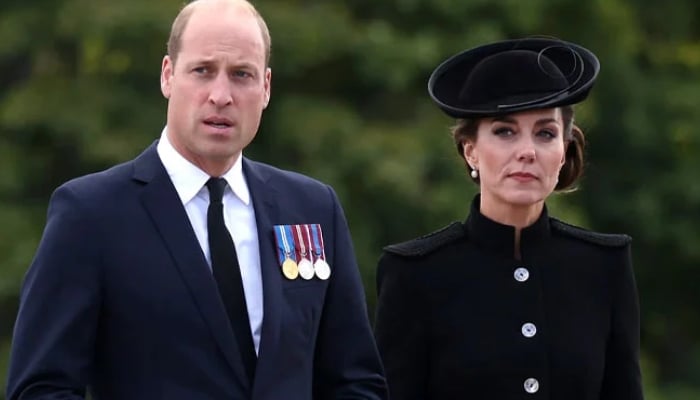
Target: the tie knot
(216, 188)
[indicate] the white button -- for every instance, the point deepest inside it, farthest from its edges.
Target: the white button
(521, 274)
(531, 385)
(529, 330)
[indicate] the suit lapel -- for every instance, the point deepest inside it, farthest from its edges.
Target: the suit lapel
(266, 215)
(163, 205)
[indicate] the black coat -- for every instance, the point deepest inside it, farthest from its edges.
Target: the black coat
(458, 317)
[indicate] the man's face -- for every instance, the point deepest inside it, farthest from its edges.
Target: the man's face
(218, 86)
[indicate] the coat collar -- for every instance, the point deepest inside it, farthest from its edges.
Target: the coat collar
(168, 215)
(497, 238)
(267, 214)
(162, 202)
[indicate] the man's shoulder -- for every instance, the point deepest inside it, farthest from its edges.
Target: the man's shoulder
(101, 184)
(281, 176)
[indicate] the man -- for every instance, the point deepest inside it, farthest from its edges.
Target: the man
(129, 294)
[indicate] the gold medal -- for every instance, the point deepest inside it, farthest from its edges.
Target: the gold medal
(322, 269)
(290, 269)
(306, 269)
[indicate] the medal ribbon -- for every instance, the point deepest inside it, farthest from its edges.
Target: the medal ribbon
(289, 237)
(283, 249)
(317, 236)
(307, 241)
(299, 237)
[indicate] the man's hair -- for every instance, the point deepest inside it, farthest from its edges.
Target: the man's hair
(183, 17)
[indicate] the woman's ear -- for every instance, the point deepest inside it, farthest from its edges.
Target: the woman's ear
(470, 154)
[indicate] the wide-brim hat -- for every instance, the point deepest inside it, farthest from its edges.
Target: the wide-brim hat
(513, 75)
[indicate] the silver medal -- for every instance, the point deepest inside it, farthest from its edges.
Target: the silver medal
(306, 269)
(323, 270)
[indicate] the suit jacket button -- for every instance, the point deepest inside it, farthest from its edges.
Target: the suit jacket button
(521, 274)
(529, 329)
(531, 385)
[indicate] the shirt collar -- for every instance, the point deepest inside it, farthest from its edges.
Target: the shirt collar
(236, 181)
(189, 179)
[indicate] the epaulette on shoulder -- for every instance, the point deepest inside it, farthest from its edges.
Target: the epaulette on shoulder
(603, 239)
(428, 243)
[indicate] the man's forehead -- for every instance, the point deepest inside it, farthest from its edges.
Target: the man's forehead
(225, 21)
(219, 8)
(231, 27)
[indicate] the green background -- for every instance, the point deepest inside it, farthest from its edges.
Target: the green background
(79, 91)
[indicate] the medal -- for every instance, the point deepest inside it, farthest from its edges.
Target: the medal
(322, 269)
(290, 269)
(286, 254)
(306, 269)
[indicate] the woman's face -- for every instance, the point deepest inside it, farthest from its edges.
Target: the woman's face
(518, 156)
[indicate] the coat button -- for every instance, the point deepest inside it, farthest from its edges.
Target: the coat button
(521, 274)
(529, 329)
(531, 385)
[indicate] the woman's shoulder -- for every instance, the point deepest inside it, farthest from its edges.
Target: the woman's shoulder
(429, 243)
(596, 238)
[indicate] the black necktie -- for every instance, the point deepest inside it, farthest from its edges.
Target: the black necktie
(227, 272)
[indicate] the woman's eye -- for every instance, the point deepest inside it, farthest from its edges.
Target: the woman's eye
(503, 131)
(547, 134)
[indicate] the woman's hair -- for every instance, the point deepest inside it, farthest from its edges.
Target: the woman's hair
(466, 129)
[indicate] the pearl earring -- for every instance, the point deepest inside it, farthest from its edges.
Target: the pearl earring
(474, 174)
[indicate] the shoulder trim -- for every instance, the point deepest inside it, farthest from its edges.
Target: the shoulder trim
(428, 243)
(603, 239)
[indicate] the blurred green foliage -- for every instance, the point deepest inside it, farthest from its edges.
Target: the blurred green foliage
(79, 91)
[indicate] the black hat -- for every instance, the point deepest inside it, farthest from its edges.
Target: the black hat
(513, 75)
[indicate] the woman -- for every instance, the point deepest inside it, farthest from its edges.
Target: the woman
(512, 303)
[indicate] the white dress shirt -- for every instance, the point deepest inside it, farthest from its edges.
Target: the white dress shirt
(239, 217)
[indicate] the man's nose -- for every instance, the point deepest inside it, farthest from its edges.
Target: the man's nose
(220, 94)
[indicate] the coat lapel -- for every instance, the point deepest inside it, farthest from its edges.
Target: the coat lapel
(163, 205)
(266, 214)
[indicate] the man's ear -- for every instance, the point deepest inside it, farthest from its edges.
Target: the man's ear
(268, 87)
(166, 75)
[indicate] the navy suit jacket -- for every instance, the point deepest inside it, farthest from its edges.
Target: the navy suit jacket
(120, 299)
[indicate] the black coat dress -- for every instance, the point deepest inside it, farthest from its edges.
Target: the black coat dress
(458, 317)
